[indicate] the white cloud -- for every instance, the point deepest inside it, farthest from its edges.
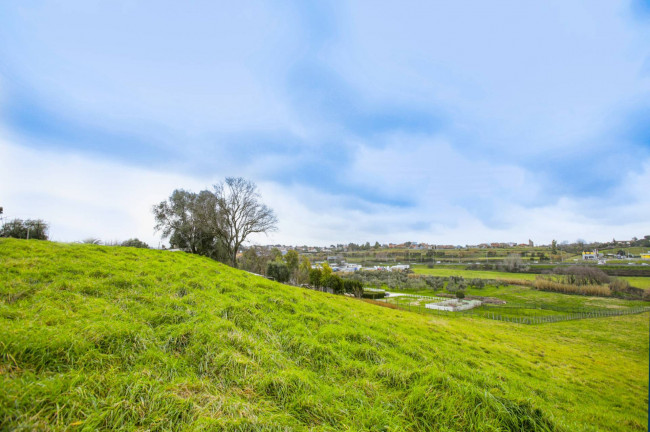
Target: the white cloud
(83, 197)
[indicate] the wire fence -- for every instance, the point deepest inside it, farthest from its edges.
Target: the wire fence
(515, 313)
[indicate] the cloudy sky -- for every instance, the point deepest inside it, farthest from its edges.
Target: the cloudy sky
(446, 122)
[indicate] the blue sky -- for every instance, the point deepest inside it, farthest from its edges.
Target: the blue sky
(446, 122)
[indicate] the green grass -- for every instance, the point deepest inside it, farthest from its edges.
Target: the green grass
(469, 274)
(106, 338)
(639, 282)
(526, 295)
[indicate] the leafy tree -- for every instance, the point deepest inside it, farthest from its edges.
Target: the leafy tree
(333, 282)
(436, 283)
(554, 247)
(351, 286)
(327, 270)
(315, 276)
(456, 283)
(292, 260)
(253, 261)
(134, 242)
(25, 229)
(278, 271)
(513, 264)
(182, 219)
(276, 254)
(214, 223)
(302, 274)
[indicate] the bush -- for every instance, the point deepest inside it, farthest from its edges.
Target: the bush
(373, 294)
(580, 275)
(333, 282)
(456, 283)
(314, 277)
(476, 283)
(513, 264)
(460, 294)
(278, 271)
(23, 229)
(544, 284)
(622, 288)
(134, 242)
(435, 283)
(351, 286)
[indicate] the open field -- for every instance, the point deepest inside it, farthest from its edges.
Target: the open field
(639, 282)
(469, 274)
(522, 313)
(99, 338)
(526, 295)
(636, 281)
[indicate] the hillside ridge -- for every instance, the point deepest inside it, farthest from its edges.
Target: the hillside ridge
(102, 338)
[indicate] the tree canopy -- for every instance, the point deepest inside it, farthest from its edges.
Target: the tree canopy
(25, 229)
(214, 222)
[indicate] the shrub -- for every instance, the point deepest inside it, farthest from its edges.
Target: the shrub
(333, 282)
(456, 283)
(278, 271)
(314, 277)
(622, 288)
(513, 264)
(476, 283)
(23, 229)
(134, 242)
(580, 275)
(351, 286)
(460, 294)
(435, 283)
(373, 294)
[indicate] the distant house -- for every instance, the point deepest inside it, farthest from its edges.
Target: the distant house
(590, 256)
(645, 255)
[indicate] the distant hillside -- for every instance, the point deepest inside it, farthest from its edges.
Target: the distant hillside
(96, 337)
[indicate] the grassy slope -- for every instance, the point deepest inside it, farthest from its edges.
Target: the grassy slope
(99, 337)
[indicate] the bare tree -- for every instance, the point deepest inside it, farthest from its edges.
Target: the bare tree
(214, 223)
(240, 213)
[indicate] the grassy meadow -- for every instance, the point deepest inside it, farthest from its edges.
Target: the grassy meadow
(470, 274)
(113, 338)
(636, 281)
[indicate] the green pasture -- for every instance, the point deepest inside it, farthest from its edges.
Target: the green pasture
(112, 338)
(639, 282)
(470, 274)
(526, 295)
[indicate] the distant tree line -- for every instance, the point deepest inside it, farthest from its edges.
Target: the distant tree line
(25, 229)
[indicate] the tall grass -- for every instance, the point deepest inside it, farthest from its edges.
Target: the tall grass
(544, 284)
(101, 338)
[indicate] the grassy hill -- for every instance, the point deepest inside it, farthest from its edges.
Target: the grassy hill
(99, 337)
